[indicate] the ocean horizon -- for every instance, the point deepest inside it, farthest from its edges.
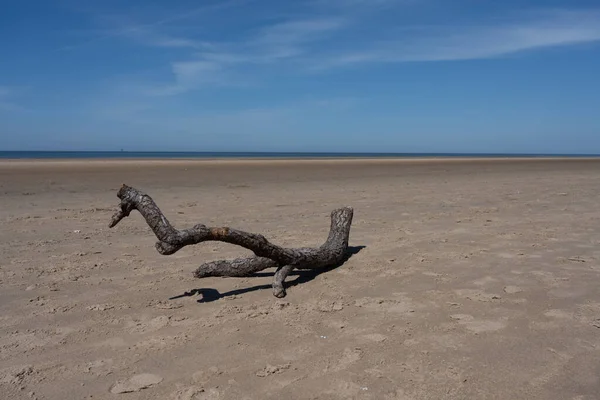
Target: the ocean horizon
(269, 155)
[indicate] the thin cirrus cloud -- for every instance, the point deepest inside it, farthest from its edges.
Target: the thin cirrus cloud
(280, 41)
(298, 30)
(275, 43)
(188, 75)
(472, 42)
(358, 5)
(149, 33)
(149, 37)
(312, 44)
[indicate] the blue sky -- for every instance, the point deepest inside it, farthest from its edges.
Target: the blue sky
(305, 75)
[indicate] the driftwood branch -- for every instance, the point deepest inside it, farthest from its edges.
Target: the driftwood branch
(267, 254)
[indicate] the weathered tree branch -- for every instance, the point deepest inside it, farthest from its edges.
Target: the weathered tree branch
(267, 254)
(238, 267)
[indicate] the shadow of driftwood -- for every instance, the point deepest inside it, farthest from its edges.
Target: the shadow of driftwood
(302, 276)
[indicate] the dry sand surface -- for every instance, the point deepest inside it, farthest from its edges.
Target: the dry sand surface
(477, 280)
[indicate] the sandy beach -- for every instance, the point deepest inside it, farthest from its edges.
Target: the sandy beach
(474, 279)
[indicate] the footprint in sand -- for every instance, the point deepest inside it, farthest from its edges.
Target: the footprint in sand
(15, 375)
(159, 343)
(512, 289)
(195, 393)
(375, 337)
(202, 377)
(567, 293)
(349, 357)
(152, 325)
(485, 281)
(114, 342)
(403, 305)
(560, 314)
(478, 326)
(136, 383)
(478, 295)
(272, 370)
(99, 367)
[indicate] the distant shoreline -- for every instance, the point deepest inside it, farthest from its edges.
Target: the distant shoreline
(110, 163)
(266, 156)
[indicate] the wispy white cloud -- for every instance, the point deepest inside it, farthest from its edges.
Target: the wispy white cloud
(272, 43)
(214, 64)
(353, 5)
(146, 35)
(152, 37)
(188, 75)
(288, 39)
(321, 41)
(298, 31)
(474, 42)
(149, 33)
(276, 42)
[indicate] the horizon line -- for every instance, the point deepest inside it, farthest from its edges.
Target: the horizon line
(25, 153)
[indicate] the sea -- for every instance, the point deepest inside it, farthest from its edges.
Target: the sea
(253, 155)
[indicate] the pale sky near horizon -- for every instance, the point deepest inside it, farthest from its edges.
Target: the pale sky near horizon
(306, 75)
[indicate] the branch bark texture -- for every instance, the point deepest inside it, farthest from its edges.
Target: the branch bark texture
(267, 254)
